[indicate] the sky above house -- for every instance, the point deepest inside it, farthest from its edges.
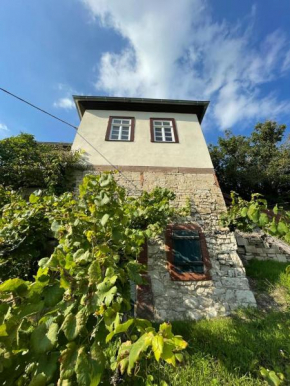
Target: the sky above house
(236, 54)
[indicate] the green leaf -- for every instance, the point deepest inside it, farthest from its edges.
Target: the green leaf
(105, 200)
(137, 348)
(44, 338)
(270, 376)
(95, 273)
(73, 324)
(38, 380)
(3, 331)
(263, 219)
(55, 226)
(33, 198)
(105, 219)
(276, 209)
(68, 361)
(244, 212)
(105, 181)
(273, 227)
(48, 364)
(52, 295)
(119, 329)
(179, 357)
(12, 285)
(253, 213)
(98, 362)
(282, 228)
(157, 346)
(83, 369)
(287, 237)
(133, 269)
(168, 354)
(166, 330)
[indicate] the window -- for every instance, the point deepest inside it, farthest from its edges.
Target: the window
(163, 130)
(120, 129)
(187, 253)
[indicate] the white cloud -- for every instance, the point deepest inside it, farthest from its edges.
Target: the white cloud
(64, 103)
(4, 131)
(176, 49)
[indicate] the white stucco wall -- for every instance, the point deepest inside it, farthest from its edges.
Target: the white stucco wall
(191, 151)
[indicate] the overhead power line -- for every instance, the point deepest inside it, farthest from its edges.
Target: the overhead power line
(77, 133)
(38, 108)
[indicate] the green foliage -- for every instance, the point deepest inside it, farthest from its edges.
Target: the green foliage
(70, 324)
(25, 163)
(248, 215)
(24, 233)
(231, 351)
(258, 163)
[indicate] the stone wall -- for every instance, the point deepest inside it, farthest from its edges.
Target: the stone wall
(181, 300)
(258, 245)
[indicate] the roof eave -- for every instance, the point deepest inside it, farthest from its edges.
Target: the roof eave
(185, 104)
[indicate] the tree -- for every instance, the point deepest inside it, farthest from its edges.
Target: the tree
(71, 324)
(27, 163)
(258, 163)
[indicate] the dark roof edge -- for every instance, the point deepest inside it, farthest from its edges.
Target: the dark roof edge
(99, 102)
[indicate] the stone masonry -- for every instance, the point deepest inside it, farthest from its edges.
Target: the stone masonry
(228, 288)
(258, 245)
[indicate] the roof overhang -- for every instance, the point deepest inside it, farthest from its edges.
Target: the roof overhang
(84, 103)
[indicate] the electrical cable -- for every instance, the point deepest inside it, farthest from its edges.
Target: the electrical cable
(77, 133)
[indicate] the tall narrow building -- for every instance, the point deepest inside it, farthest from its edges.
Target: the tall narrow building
(193, 270)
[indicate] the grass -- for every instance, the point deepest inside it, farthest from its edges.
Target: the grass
(230, 351)
(268, 274)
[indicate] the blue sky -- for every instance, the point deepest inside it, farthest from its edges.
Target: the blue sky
(234, 53)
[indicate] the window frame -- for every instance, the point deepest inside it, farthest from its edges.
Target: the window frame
(109, 129)
(175, 134)
(186, 276)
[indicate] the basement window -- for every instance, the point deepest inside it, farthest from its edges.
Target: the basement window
(163, 130)
(187, 253)
(120, 129)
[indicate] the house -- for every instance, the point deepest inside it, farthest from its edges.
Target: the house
(193, 271)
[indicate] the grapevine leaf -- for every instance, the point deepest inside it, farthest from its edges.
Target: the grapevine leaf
(68, 361)
(157, 346)
(137, 348)
(119, 329)
(12, 285)
(55, 226)
(133, 269)
(52, 295)
(95, 273)
(73, 324)
(253, 213)
(33, 198)
(263, 219)
(244, 212)
(168, 354)
(83, 368)
(98, 362)
(44, 338)
(3, 331)
(105, 219)
(38, 380)
(48, 365)
(282, 228)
